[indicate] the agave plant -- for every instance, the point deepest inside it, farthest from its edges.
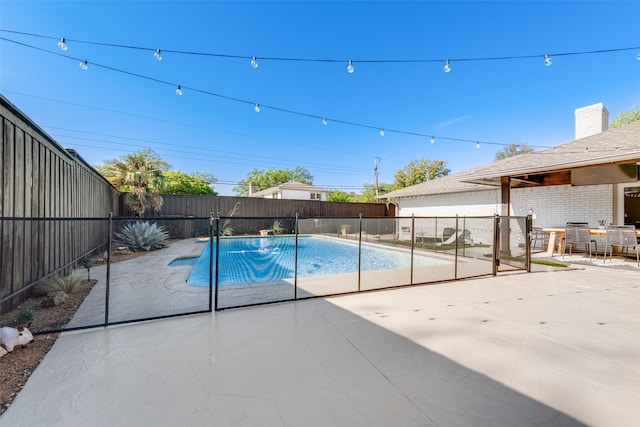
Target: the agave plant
(58, 283)
(142, 236)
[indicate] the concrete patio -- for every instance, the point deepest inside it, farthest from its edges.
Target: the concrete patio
(552, 348)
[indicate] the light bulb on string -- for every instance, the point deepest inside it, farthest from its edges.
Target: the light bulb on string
(62, 44)
(324, 121)
(350, 68)
(179, 91)
(547, 60)
(477, 145)
(381, 132)
(254, 62)
(84, 65)
(638, 57)
(158, 55)
(432, 140)
(447, 67)
(257, 108)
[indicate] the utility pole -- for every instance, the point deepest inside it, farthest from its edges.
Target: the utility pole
(375, 171)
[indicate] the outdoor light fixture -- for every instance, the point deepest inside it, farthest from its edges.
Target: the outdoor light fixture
(254, 62)
(381, 132)
(257, 108)
(350, 68)
(84, 65)
(637, 57)
(547, 60)
(447, 67)
(324, 121)
(432, 140)
(477, 145)
(179, 91)
(62, 44)
(158, 55)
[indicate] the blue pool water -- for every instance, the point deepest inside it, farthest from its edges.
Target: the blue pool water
(255, 259)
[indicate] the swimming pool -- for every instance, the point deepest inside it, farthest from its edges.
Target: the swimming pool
(256, 259)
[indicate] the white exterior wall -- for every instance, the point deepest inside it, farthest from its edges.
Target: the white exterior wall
(554, 206)
(551, 206)
(301, 195)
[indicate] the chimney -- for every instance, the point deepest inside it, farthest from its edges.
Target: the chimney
(591, 120)
(252, 188)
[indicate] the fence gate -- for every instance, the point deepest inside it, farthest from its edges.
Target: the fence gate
(512, 243)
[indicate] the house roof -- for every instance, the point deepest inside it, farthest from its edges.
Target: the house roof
(613, 146)
(545, 167)
(291, 185)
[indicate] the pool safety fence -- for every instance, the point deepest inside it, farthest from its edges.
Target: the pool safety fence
(114, 270)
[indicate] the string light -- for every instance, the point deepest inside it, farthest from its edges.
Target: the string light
(638, 57)
(254, 62)
(432, 140)
(257, 108)
(350, 68)
(447, 67)
(547, 60)
(477, 145)
(84, 65)
(324, 121)
(62, 44)
(381, 132)
(158, 55)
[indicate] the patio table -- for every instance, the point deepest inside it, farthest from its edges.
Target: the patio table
(557, 234)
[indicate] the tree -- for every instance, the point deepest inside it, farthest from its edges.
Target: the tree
(271, 178)
(176, 182)
(369, 193)
(513, 150)
(626, 117)
(338, 196)
(140, 176)
(418, 171)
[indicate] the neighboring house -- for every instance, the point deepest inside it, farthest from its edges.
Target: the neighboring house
(590, 179)
(291, 190)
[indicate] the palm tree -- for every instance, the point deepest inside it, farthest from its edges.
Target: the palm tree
(140, 176)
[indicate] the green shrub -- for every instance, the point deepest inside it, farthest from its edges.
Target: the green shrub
(58, 283)
(25, 316)
(142, 236)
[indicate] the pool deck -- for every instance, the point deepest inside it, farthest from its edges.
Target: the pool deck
(549, 348)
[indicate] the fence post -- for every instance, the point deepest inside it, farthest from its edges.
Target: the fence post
(217, 276)
(109, 241)
(295, 266)
(455, 271)
(413, 238)
(496, 244)
(211, 221)
(527, 243)
(359, 249)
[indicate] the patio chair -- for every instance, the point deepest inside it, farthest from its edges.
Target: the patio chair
(537, 235)
(623, 236)
(578, 232)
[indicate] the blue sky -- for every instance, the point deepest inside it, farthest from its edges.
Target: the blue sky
(105, 113)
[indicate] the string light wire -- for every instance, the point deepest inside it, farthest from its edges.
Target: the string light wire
(271, 107)
(330, 60)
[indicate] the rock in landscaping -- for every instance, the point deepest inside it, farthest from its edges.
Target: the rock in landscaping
(54, 298)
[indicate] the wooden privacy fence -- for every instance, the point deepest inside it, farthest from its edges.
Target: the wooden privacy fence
(40, 179)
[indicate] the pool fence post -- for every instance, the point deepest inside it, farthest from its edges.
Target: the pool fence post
(211, 221)
(455, 274)
(413, 238)
(464, 236)
(109, 242)
(436, 234)
(496, 243)
(217, 276)
(295, 262)
(359, 249)
(527, 241)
